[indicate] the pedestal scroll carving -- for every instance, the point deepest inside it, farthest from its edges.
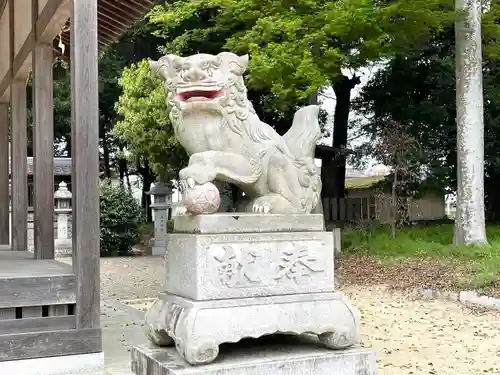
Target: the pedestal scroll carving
(198, 327)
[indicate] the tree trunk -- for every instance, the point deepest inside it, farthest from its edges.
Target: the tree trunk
(127, 178)
(106, 158)
(394, 205)
(333, 171)
(148, 178)
(470, 215)
(68, 146)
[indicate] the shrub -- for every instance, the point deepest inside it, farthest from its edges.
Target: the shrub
(121, 219)
(170, 226)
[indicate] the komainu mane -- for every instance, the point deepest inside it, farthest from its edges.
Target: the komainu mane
(226, 141)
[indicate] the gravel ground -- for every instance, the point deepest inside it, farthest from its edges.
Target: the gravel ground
(130, 278)
(417, 337)
(411, 336)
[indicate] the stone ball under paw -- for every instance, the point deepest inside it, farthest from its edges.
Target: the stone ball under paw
(202, 199)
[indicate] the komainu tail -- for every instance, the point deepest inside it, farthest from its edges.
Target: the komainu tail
(305, 132)
(301, 141)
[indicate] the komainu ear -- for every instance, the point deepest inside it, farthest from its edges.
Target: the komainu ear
(243, 60)
(162, 66)
(154, 66)
(237, 64)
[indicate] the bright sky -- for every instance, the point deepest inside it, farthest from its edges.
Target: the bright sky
(328, 102)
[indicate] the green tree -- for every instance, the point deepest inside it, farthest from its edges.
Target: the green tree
(121, 219)
(62, 111)
(135, 45)
(145, 127)
(419, 91)
(299, 47)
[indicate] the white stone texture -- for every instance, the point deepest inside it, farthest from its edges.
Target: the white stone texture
(248, 223)
(162, 194)
(217, 126)
(160, 228)
(232, 284)
(206, 266)
(263, 358)
(201, 199)
(476, 299)
(198, 327)
(62, 365)
(63, 240)
(470, 217)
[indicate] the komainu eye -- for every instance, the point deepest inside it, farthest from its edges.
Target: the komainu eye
(177, 65)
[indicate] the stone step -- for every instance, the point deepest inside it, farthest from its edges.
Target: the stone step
(266, 356)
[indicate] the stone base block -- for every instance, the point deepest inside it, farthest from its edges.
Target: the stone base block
(273, 355)
(197, 328)
(236, 265)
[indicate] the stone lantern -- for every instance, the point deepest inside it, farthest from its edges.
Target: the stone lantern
(162, 212)
(63, 242)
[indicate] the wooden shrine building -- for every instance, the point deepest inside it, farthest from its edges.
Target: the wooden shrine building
(49, 309)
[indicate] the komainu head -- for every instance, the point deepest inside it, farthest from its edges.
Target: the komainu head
(200, 81)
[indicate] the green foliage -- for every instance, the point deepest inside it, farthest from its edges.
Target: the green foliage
(62, 107)
(298, 47)
(121, 219)
(170, 226)
(481, 265)
(145, 127)
(418, 90)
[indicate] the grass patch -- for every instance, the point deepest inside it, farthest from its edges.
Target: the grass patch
(479, 266)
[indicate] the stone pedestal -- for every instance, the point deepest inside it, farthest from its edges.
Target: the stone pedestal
(267, 356)
(162, 195)
(63, 242)
(236, 276)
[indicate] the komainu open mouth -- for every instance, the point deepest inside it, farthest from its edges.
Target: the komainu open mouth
(199, 95)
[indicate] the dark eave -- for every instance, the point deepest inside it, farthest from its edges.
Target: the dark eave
(114, 18)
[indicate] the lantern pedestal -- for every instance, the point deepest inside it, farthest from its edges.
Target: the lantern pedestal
(63, 242)
(161, 206)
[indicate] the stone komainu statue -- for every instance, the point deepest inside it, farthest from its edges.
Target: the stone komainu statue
(226, 141)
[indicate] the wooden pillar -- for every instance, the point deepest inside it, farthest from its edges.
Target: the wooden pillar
(4, 174)
(85, 159)
(43, 130)
(19, 165)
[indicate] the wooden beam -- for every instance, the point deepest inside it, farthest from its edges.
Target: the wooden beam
(31, 325)
(130, 14)
(21, 66)
(85, 160)
(67, 42)
(4, 174)
(19, 165)
(141, 5)
(37, 291)
(43, 130)
(105, 39)
(116, 20)
(50, 344)
(3, 4)
(109, 28)
(116, 16)
(52, 19)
